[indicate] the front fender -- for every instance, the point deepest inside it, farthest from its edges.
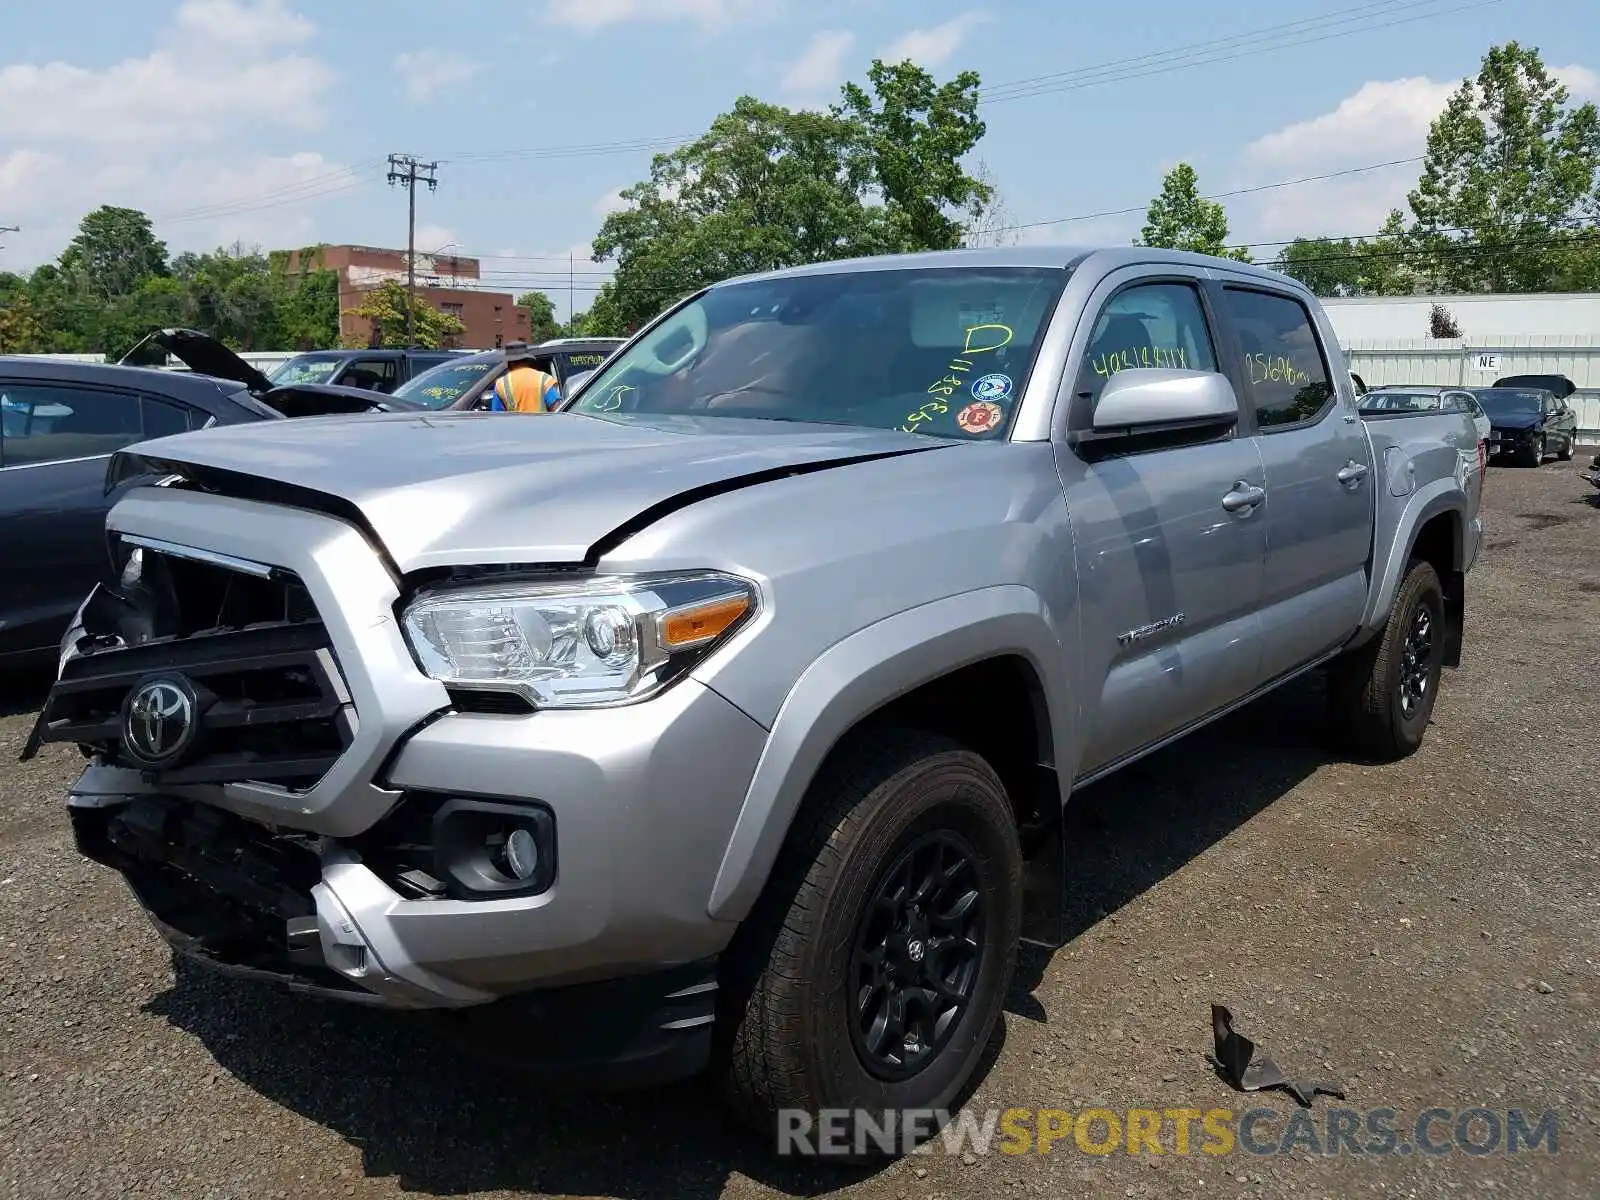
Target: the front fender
(1393, 552)
(853, 679)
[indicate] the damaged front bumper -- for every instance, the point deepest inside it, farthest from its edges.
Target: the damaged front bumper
(249, 902)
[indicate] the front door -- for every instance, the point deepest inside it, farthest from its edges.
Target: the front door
(1169, 574)
(1319, 479)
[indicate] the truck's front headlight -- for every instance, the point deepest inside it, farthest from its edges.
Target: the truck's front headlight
(576, 644)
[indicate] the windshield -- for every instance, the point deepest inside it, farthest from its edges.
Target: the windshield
(442, 386)
(943, 351)
(1399, 402)
(306, 368)
(1509, 402)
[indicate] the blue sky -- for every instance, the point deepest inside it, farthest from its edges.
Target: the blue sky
(267, 121)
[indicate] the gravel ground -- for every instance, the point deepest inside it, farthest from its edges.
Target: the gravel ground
(1426, 930)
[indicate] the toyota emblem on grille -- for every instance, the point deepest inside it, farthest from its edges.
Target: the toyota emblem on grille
(159, 724)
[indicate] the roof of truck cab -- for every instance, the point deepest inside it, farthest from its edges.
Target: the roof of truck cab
(1059, 257)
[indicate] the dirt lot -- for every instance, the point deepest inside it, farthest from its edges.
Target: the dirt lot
(1428, 931)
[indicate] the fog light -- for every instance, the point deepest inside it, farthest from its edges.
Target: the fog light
(522, 854)
(483, 849)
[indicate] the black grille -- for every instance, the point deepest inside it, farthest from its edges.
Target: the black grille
(273, 706)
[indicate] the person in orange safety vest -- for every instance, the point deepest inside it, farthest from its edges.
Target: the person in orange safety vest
(525, 388)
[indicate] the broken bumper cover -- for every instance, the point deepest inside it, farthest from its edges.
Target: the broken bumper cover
(635, 827)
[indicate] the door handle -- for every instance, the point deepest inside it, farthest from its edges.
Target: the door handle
(1244, 497)
(1352, 473)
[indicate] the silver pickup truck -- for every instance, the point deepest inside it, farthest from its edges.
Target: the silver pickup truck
(726, 718)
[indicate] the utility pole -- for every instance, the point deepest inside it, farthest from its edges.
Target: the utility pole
(406, 170)
(571, 312)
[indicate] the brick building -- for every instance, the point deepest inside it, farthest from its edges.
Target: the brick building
(450, 284)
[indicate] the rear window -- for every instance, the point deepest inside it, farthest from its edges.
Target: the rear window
(307, 368)
(1401, 402)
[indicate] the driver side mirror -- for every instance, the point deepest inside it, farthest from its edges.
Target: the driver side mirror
(1148, 408)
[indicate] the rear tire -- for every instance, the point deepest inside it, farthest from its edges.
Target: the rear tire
(1565, 453)
(1381, 695)
(812, 1016)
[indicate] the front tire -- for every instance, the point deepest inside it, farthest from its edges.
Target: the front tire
(1534, 455)
(1381, 695)
(876, 962)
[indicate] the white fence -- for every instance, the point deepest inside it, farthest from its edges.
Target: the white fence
(264, 360)
(1478, 362)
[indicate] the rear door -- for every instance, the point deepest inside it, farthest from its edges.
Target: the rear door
(1319, 476)
(54, 444)
(1168, 560)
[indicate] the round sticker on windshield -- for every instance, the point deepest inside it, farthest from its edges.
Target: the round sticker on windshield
(980, 417)
(991, 387)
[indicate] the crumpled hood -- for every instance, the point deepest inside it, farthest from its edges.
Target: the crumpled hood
(1514, 424)
(450, 489)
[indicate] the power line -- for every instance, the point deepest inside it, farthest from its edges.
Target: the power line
(1244, 191)
(1252, 41)
(405, 170)
(1221, 51)
(1339, 16)
(1089, 216)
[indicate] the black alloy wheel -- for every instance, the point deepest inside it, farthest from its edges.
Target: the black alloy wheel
(918, 950)
(1416, 662)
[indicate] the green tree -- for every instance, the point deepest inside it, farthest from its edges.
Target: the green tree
(234, 295)
(122, 322)
(1327, 266)
(20, 330)
(70, 321)
(1180, 218)
(308, 305)
(767, 187)
(1509, 167)
(913, 134)
(1375, 266)
(114, 252)
(542, 323)
(385, 307)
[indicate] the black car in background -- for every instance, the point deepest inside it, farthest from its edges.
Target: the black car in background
(60, 422)
(1528, 423)
(464, 383)
(374, 370)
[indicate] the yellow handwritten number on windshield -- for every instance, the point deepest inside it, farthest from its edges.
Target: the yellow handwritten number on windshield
(989, 338)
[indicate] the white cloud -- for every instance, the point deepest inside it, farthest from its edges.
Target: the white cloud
(432, 238)
(590, 15)
(427, 75)
(611, 202)
(178, 131)
(931, 47)
(1381, 121)
(267, 23)
(821, 67)
(199, 81)
(1583, 83)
